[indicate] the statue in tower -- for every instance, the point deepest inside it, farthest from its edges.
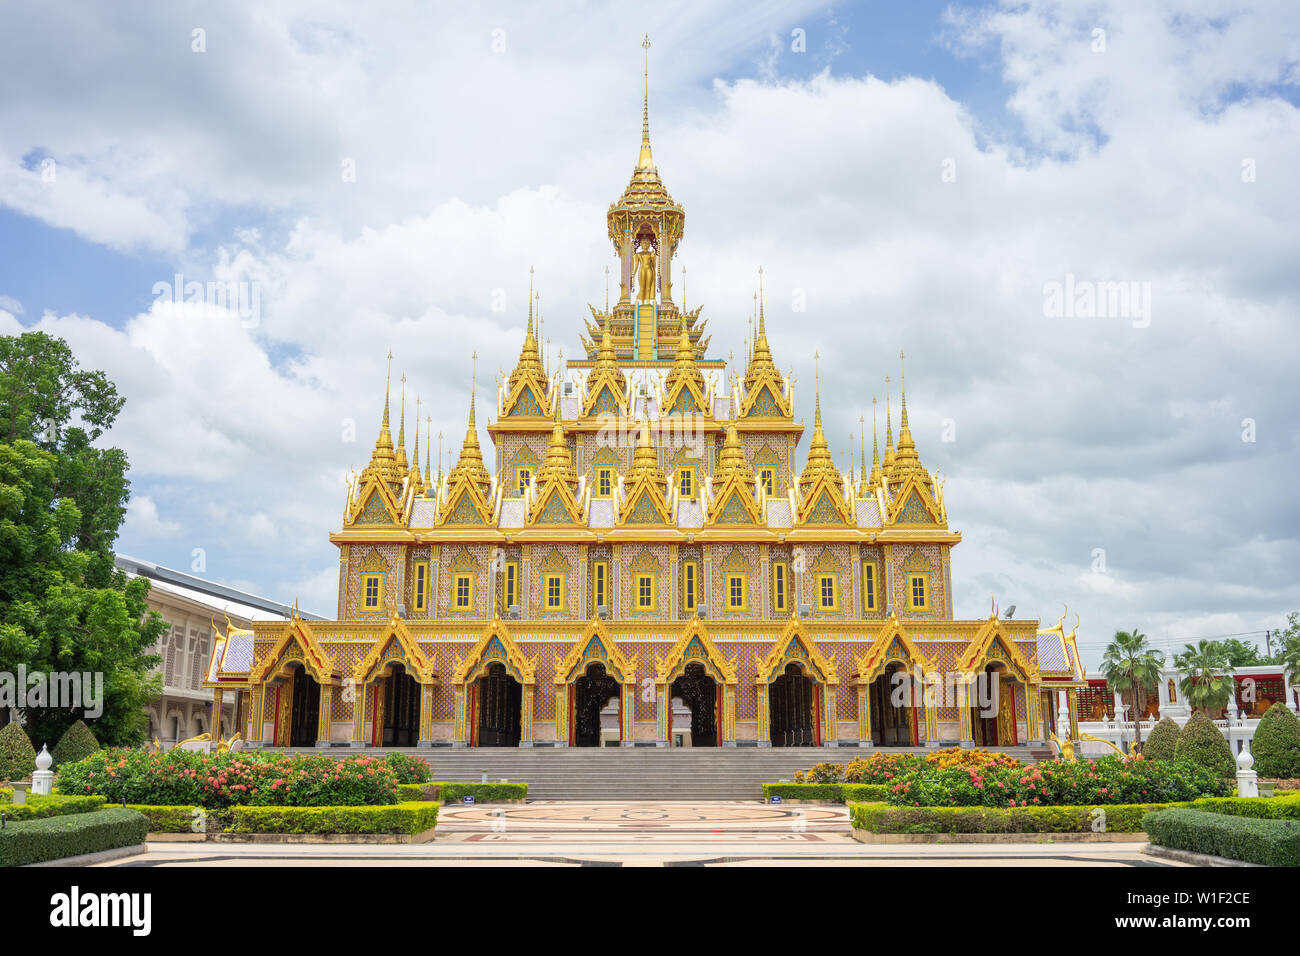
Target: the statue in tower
(644, 260)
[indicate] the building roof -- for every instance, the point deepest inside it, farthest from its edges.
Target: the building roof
(219, 597)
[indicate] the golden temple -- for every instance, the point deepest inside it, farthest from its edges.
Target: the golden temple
(647, 541)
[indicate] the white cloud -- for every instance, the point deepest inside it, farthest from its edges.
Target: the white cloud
(142, 519)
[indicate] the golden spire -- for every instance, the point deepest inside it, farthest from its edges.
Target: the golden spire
(864, 488)
(383, 464)
(529, 367)
(819, 461)
(428, 447)
(888, 466)
(416, 484)
(403, 467)
(761, 359)
(645, 160)
(470, 464)
(645, 460)
(907, 461)
(558, 462)
(731, 461)
(873, 481)
(684, 366)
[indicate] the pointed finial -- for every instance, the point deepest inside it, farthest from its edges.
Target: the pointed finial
(862, 443)
(817, 365)
(473, 385)
(428, 446)
(439, 457)
(606, 289)
(645, 160)
(388, 379)
(902, 388)
(401, 428)
(683, 290)
(762, 324)
(530, 300)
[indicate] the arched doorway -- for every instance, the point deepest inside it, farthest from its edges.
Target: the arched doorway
(304, 712)
(703, 696)
(792, 709)
(401, 709)
(591, 693)
(993, 710)
(893, 702)
(499, 701)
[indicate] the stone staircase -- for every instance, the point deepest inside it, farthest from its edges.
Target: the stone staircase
(640, 773)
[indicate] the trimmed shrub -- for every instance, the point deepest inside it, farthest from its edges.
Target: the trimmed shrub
(1277, 808)
(17, 755)
(1119, 818)
(36, 841)
(863, 792)
(482, 792)
(408, 769)
(1162, 741)
(179, 818)
(408, 818)
(837, 792)
(1086, 782)
(1202, 743)
(39, 806)
(77, 743)
(1266, 842)
(230, 779)
(417, 791)
(1276, 744)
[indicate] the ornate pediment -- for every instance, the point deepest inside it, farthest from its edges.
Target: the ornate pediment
(823, 504)
(695, 646)
(495, 645)
(465, 505)
(376, 505)
(912, 504)
(596, 646)
(395, 645)
(795, 646)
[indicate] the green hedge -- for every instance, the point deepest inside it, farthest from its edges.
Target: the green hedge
(36, 841)
(1266, 842)
(181, 819)
(417, 791)
(880, 818)
(836, 792)
(482, 792)
(409, 818)
(39, 807)
(1264, 808)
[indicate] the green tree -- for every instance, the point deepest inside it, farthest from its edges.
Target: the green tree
(1132, 667)
(1276, 744)
(1288, 652)
(77, 742)
(64, 607)
(1240, 654)
(1207, 682)
(1203, 743)
(1163, 741)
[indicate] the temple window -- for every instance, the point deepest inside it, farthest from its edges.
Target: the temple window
(600, 584)
(690, 585)
(686, 482)
(463, 591)
(736, 592)
(827, 599)
(779, 586)
(868, 587)
(420, 596)
(372, 591)
(523, 476)
(604, 481)
(645, 591)
(919, 590)
(510, 591)
(554, 592)
(767, 478)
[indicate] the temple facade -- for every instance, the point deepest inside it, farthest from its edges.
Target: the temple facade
(647, 542)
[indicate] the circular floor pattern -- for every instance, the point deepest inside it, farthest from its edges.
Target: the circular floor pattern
(711, 817)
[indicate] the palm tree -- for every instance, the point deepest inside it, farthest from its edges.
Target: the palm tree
(1207, 681)
(1131, 666)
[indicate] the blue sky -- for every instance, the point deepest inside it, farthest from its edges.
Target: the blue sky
(477, 159)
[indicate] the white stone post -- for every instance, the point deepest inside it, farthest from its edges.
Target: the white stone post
(43, 776)
(1247, 779)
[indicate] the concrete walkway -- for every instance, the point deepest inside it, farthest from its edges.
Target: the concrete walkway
(722, 833)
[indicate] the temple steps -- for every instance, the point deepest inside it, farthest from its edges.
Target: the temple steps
(640, 773)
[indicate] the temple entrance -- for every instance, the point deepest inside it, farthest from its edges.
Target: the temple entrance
(401, 709)
(791, 700)
(892, 702)
(994, 725)
(703, 696)
(591, 693)
(304, 713)
(499, 700)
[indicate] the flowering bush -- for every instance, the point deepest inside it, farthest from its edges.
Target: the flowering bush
(232, 779)
(821, 773)
(979, 759)
(881, 768)
(409, 769)
(1104, 780)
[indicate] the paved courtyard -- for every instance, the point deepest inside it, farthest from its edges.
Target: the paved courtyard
(724, 833)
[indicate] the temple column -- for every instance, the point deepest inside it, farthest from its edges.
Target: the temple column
(864, 716)
(831, 735)
(628, 730)
(663, 715)
(728, 715)
(1033, 713)
(764, 718)
(253, 730)
(425, 738)
(460, 736)
(358, 715)
(526, 716)
(1072, 704)
(326, 713)
(562, 715)
(930, 697)
(214, 729)
(967, 736)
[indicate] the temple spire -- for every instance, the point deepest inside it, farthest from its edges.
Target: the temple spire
(873, 481)
(428, 447)
(907, 461)
(888, 465)
(819, 461)
(646, 160)
(416, 480)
